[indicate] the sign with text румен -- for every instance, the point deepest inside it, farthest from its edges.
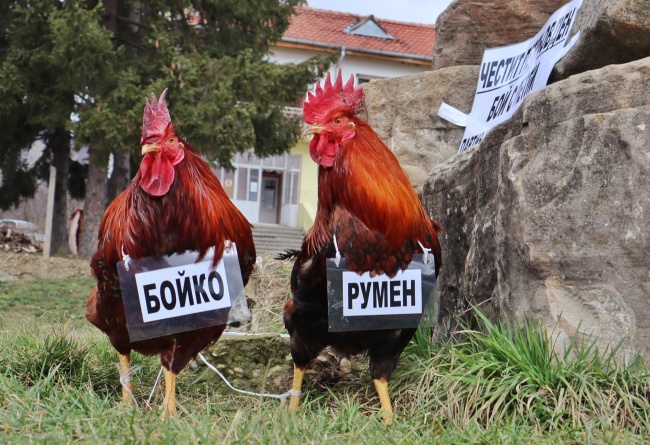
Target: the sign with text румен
(380, 295)
(360, 302)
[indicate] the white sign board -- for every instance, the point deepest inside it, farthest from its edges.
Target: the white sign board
(360, 302)
(173, 294)
(509, 73)
(182, 290)
(380, 295)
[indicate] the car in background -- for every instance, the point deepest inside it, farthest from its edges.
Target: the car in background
(28, 229)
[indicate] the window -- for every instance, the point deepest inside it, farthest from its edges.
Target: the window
(293, 162)
(368, 27)
(228, 182)
(268, 161)
(291, 186)
(242, 182)
(364, 78)
(253, 185)
(286, 186)
(251, 159)
(279, 161)
(295, 188)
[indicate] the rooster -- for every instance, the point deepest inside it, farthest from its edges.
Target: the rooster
(174, 204)
(369, 211)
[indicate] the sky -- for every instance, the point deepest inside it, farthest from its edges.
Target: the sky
(416, 11)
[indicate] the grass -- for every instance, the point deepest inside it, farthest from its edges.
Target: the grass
(505, 373)
(60, 298)
(498, 384)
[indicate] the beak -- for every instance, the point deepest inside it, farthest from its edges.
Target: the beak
(311, 129)
(146, 148)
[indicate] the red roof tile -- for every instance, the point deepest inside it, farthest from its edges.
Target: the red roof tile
(318, 27)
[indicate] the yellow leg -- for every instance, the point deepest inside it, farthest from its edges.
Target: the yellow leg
(169, 404)
(127, 386)
(298, 375)
(381, 386)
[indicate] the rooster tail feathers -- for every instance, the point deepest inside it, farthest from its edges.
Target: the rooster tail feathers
(288, 254)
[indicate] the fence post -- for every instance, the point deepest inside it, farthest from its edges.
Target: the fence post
(50, 213)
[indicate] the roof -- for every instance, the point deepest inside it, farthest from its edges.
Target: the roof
(312, 27)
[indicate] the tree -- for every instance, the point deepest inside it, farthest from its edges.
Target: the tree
(224, 95)
(51, 51)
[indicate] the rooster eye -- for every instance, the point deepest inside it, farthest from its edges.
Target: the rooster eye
(171, 140)
(338, 121)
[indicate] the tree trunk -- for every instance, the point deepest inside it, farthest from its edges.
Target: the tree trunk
(94, 204)
(109, 18)
(120, 177)
(60, 146)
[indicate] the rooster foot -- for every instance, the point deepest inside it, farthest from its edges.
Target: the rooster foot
(169, 403)
(381, 385)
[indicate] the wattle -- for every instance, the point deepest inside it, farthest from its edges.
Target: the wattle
(157, 175)
(323, 150)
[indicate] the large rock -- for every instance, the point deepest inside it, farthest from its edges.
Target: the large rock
(467, 27)
(611, 32)
(408, 122)
(548, 217)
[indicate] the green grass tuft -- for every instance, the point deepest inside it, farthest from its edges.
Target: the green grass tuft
(510, 373)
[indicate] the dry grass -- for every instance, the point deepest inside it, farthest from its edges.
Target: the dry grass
(268, 290)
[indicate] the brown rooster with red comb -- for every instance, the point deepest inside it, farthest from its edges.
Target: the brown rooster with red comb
(369, 211)
(174, 204)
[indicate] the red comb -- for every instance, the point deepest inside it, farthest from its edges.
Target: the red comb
(331, 97)
(156, 117)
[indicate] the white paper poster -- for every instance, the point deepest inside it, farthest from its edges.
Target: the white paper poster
(509, 73)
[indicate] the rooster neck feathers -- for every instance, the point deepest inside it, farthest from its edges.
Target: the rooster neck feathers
(141, 225)
(368, 182)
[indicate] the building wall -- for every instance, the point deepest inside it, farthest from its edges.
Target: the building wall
(379, 68)
(308, 185)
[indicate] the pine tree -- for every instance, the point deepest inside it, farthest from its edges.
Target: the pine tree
(83, 68)
(51, 51)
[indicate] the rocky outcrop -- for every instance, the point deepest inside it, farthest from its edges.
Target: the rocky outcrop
(611, 32)
(466, 28)
(547, 217)
(408, 122)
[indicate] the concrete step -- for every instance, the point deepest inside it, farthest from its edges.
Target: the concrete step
(276, 238)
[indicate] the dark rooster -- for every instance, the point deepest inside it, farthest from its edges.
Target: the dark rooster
(174, 204)
(366, 201)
